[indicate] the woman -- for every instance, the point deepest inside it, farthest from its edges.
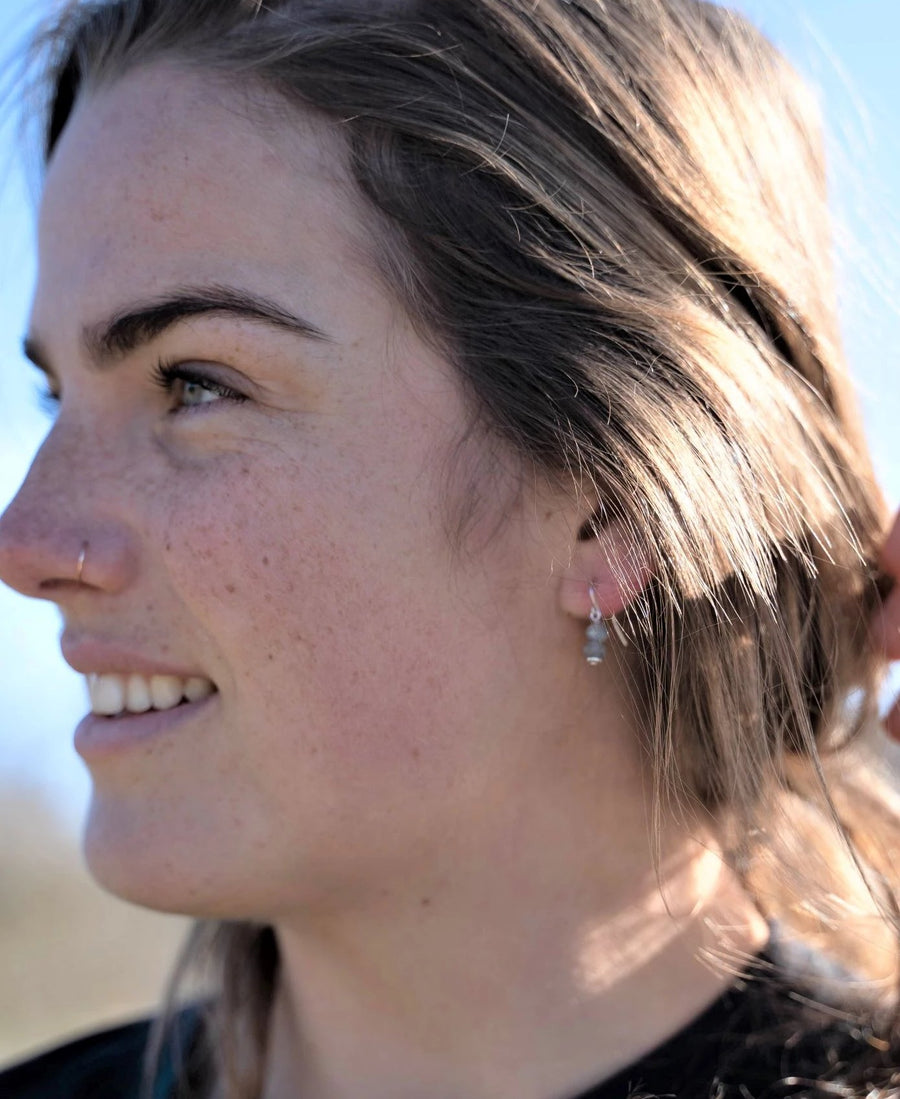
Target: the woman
(458, 507)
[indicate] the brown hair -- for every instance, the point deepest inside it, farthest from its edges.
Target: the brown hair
(611, 216)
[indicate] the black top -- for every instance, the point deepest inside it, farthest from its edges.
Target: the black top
(109, 1065)
(757, 1041)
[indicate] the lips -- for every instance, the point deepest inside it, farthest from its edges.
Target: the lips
(100, 739)
(123, 680)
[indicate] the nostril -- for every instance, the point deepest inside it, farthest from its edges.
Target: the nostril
(48, 559)
(65, 532)
(34, 571)
(52, 584)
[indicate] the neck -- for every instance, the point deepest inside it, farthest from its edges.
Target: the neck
(529, 943)
(516, 982)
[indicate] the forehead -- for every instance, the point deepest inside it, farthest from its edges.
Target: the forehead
(166, 175)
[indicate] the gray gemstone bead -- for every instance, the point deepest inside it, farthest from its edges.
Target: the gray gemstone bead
(596, 631)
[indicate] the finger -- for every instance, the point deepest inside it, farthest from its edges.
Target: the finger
(886, 626)
(890, 553)
(892, 722)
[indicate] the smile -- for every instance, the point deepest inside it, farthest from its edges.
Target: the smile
(112, 694)
(102, 737)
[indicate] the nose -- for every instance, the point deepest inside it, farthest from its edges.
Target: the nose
(57, 537)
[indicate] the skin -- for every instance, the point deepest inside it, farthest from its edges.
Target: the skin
(408, 771)
(886, 628)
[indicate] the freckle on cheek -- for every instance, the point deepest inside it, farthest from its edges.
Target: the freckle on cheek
(230, 588)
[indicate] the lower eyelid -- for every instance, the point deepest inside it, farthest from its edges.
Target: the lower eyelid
(223, 393)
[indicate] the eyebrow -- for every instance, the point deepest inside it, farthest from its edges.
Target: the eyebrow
(107, 342)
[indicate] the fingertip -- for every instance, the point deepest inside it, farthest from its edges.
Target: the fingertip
(892, 723)
(890, 553)
(885, 627)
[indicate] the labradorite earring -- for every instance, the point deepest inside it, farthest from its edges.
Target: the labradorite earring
(596, 633)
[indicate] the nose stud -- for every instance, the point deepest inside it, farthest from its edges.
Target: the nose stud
(79, 568)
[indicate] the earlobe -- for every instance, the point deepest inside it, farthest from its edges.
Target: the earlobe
(611, 561)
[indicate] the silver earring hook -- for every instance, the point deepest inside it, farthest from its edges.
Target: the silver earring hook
(595, 613)
(596, 617)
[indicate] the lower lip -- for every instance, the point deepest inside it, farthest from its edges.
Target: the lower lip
(98, 737)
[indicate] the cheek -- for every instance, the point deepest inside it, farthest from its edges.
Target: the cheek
(333, 640)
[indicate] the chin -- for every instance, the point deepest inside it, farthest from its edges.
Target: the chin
(142, 862)
(154, 856)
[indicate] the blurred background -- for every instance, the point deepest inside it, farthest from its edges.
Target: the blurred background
(73, 958)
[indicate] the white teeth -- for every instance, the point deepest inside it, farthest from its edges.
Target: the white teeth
(113, 694)
(137, 695)
(166, 691)
(107, 694)
(196, 689)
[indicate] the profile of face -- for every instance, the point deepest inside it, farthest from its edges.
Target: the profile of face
(261, 454)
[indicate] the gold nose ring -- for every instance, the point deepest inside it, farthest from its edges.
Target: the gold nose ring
(79, 568)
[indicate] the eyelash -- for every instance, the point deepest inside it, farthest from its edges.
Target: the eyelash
(47, 400)
(164, 375)
(168, 375)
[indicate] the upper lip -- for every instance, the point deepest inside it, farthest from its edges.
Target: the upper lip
(99, 656)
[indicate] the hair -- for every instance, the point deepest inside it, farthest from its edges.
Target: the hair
(611, 217)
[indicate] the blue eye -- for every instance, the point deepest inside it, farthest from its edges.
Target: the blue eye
(189, 387)
(195, 393)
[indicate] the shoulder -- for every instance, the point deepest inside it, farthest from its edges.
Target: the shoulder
(770, 1037)
(106, 1064)
(110, 1064)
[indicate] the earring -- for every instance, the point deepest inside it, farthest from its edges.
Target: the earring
(596, 633)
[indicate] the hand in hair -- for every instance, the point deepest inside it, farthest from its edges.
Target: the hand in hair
(887, 623)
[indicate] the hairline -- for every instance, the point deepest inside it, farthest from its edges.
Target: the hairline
(479, 488)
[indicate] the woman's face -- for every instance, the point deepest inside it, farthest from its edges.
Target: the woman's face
(273, 519)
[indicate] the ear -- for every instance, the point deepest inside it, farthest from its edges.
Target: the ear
(614, 562)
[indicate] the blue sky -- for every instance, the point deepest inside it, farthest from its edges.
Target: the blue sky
(847, 47)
